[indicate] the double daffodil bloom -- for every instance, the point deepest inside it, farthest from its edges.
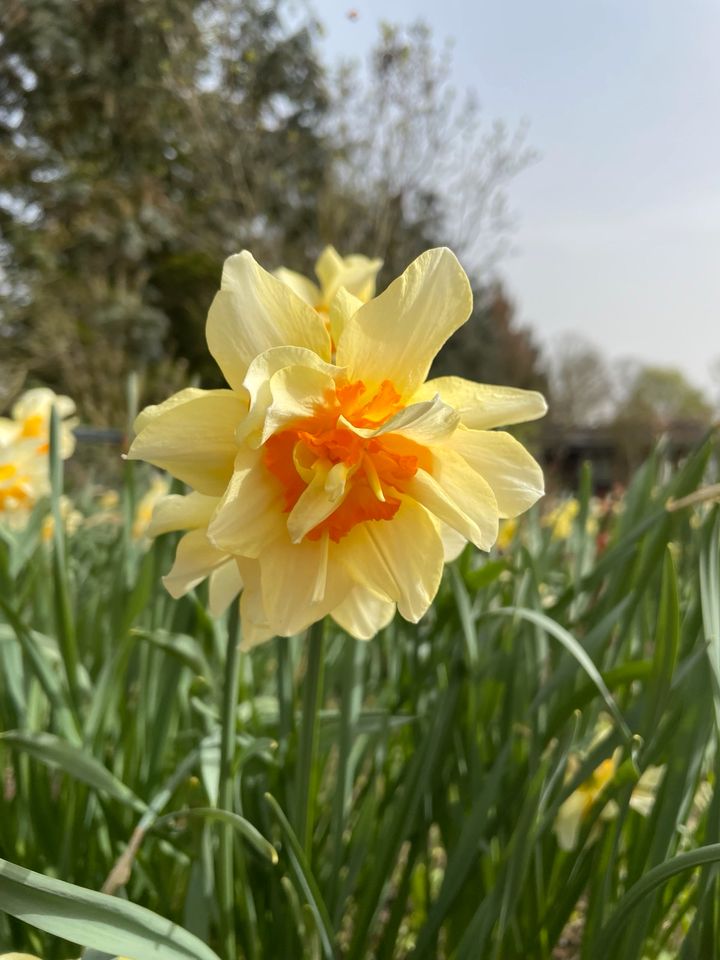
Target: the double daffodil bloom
(24, 447)
(355, 273)
(336, 481)
(29, 421)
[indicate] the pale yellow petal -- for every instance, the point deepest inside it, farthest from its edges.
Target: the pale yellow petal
(254, 623)
(431, 421)
(344, 305)
(458, 495)
(297, 393)
(194, 439)
(177, 512)
(355, 273)
(300, 285)
(301, 584)
(259, 375)
(397, 335)
(18, 956)
(224, 584)
(156, 409)
(399, 559)
(250, 514)
(569, 820)
(363, 613)
(482, 405)
(9, 430)
(195, 559)
(453, 542)
(642, 798)
(255, 311)
(321, 497)
(513, 475)
(39, 401)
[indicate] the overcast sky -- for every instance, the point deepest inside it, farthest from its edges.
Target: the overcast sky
(618, 223)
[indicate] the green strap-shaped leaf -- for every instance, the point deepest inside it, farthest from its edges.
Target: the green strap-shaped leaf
(55, 752)
(93, 919)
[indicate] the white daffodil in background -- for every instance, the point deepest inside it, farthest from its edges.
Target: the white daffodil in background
(29, 421)
(338, 481)
(24, 448)
(576, 809)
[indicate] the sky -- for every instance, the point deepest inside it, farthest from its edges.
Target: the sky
(617, 223)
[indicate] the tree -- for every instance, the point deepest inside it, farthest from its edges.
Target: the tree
(139, 138)
(417, 164)
(662, 395)
(580, 383)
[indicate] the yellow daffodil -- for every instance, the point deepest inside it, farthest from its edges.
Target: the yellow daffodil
(561, 518)
(506, 534)
(337, 481)
(72, 519)
(356, 274)
(23, 478)
(578, 805)
(24, 447)
(29, 421)
(158, 488)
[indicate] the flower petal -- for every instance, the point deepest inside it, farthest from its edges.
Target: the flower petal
(177, 512)
(254, 622)
(254, 311)
(297, 393)
(39, 401)
(399, 559)
(482, 405)
(355, 273)
(397, 335)
(458, 495)
(155, 409)
(193, 439)
(224, 584)
(258, 384)
(569, 820)
(321, 497)
(363, 613)
(300, 285)
(195, 559)
(514, 476)
(250, 514)
(344, 306)
(431, 421)
(453, 542)
(300, 584)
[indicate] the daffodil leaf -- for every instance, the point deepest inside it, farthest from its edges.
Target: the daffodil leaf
(94, 919)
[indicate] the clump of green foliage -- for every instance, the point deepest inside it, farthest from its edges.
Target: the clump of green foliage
(393, 799)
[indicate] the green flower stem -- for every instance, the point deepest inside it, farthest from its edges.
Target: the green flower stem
(226, 893)
(308, 772)
(65, 623)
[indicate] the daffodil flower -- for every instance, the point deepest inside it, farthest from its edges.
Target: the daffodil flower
(29, 421)
(337, 480)
(576, 809)
(24, 450)
(158, 489)
(355, 273)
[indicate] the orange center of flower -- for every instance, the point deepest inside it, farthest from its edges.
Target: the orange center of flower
(375, 469)
(15, 493)
(33, 426)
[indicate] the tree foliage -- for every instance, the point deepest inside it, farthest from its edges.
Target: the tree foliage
(143, 141)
